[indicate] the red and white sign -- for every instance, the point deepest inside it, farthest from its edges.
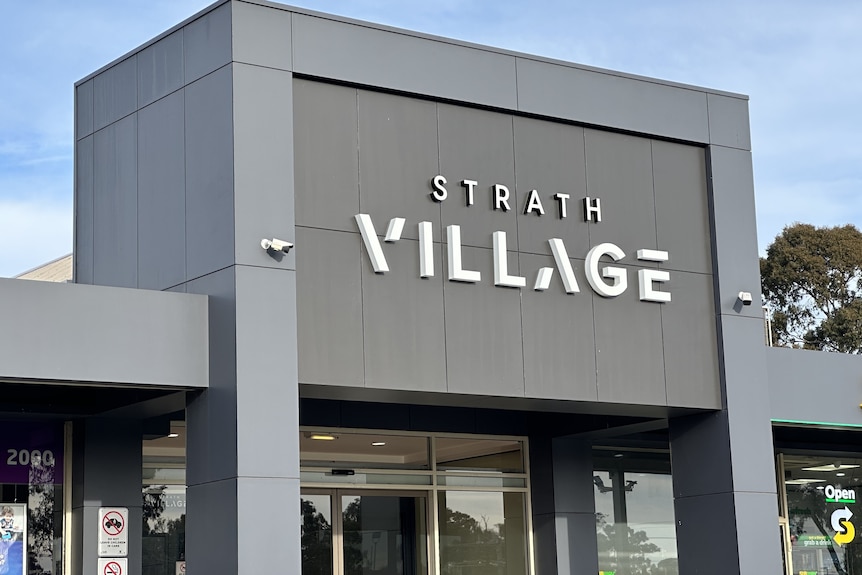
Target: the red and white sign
(113, 533)
(117, 566)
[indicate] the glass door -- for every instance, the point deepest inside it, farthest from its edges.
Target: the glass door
(372, 532)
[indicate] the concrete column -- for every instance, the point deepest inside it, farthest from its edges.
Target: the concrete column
(106, 472)
(723, 471)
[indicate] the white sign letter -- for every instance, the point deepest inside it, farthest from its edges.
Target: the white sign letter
(501, 197)
(592, 210)
(561, 199)
(501, 264)
(618, 275)
(372, 243)
(647, 277)
(534, 203)
(426, 251)
(564, 265)
(470, 187)
(456, 272)
(439, 194)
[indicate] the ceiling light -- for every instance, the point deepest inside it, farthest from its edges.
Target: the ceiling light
(378, 443)
(322, 437)
(840, 474)
(830, 467)
(618, 454)
(803, 481)
(173, 435)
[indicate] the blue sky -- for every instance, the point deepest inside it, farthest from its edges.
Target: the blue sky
(799, 61)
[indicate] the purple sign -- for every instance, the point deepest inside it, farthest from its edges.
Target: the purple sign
(31, 453)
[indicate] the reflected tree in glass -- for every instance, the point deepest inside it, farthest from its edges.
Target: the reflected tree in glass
(316, 540)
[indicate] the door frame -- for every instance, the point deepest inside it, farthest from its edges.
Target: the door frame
(337, 526)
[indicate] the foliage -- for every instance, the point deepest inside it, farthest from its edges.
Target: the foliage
(810, 281)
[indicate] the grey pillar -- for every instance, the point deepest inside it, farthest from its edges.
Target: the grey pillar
(564, 511)
(723, 471)
(243, 431)
(106, 472)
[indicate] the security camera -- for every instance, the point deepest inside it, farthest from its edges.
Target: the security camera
(275, 245)
(745, 297)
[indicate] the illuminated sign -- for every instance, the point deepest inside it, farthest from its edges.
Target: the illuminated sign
(837, 495)
(845, 532)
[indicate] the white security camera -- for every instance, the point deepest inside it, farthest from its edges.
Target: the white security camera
(275, 245)
(745, 297)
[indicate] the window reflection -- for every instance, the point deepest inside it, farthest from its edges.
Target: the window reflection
(822, 494)
(635, 527)
(482, 533)
(316, 534)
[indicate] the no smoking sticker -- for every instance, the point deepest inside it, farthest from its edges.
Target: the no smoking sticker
(113, 535)
(113, 566)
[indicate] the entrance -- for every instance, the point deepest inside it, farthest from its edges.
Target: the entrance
(371, 532)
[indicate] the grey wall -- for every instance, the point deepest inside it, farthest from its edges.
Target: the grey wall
(92, 334)
(814, 386)
(359, 151)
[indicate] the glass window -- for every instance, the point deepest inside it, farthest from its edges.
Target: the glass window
(164, 502)
(31, 497)
(824, 514)
(362, 450)
(468, 454)
(316, 534)
(635, 522)
(482, 533)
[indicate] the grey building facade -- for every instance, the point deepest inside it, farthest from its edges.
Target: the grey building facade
(515, 327)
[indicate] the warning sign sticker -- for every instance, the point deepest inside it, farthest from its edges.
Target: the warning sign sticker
(113, 566)
(113, 533)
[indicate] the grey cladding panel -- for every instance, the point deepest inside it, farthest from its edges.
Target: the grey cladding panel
(207, 43)
(209, 174)
(115, 205)
(550, 159)
(403, 322)
(728, 122)
(161, 194)
(212, 415)
(131, 336)
(115, 93)
(619, 173)
(629, 358)
(83, 259)
(604, 99)
(160, 68)
(84, 109)
(397, 61)
(792, 395)
(483, 331)
(397, 160)
(266, 501)
(263, 152)
(326, 158)
(735, 229)
(329, 307)
(690, 349)
(267, 409)
(682, 206)
(261, 36)
(478, 145)
(559, 343)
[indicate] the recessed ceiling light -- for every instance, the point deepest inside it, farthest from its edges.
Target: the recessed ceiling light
(322, 437)
(830, 467)
(378, 443)
(840, 474)
(618, 454)
(804, 482)
(173, 435)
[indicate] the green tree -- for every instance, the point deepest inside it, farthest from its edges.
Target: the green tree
(810, 281)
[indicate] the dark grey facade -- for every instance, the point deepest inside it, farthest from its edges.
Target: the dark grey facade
(486, 244)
